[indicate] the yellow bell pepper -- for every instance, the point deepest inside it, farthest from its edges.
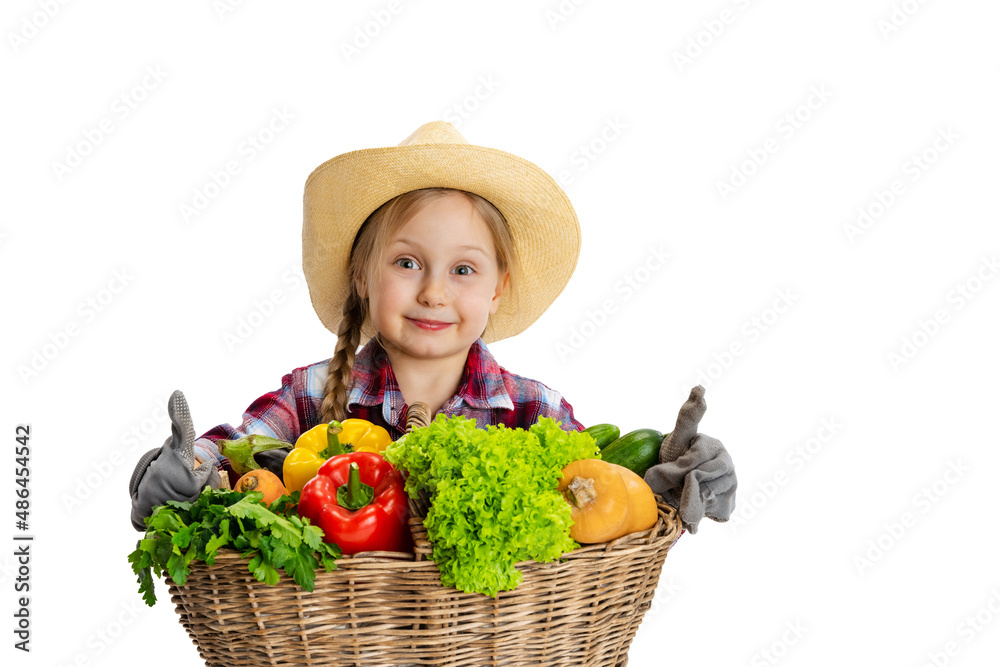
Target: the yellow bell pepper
(323, 441)
(363, 436)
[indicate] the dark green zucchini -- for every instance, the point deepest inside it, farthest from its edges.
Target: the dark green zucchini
(638, 451)
(603, 434)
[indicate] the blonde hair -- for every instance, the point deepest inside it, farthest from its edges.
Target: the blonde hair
(365, 266)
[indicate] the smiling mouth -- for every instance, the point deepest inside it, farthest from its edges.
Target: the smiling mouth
(430, 325)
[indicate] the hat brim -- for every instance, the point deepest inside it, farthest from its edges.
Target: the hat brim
(342, 192)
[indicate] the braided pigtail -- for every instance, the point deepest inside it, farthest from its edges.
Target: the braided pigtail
(338, 377)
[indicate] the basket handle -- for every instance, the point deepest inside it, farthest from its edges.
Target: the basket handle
(418, 415)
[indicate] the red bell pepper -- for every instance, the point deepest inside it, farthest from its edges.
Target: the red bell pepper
(358, 500)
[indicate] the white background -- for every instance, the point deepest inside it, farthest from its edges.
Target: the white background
(870, 549)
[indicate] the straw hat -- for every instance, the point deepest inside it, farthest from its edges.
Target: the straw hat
(342, 192)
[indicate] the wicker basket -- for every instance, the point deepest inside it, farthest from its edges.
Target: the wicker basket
(380, 608)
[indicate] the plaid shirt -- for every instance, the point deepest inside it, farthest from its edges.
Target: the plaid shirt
(487, 393)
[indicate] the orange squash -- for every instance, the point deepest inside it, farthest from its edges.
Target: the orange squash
(606, 501)
(261, 480)
(642, 514)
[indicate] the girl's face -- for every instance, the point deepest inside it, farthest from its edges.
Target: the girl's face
(439, 282)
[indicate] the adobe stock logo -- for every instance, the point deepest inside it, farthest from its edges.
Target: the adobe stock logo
(795, 460)
(561, 12)
(711, 31)
(779, 648)
(895, 530)
(469, 104)
(86, 312)
(249, 148)
(122, 106)
(588, 153)
(921, 335)
(787, 126)
(33, 24)
(263, 309)
(371, 30)
(224, 7)
(970, 627)
(624, 288)
(899, 16)
(913, 168)
(751, 331)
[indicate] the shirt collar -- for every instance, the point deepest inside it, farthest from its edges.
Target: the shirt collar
(482, 384)
(373, 382)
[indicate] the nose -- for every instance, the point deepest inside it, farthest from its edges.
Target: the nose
(433, 291)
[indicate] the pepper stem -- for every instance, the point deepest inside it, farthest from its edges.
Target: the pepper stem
(355, 494)
(334, 447)
(581, 491)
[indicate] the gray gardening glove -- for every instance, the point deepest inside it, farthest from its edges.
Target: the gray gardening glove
(695, 473)
(169, 473)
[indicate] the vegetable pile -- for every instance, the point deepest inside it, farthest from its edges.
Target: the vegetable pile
(270, 537)
(498, 496)
(494, 500)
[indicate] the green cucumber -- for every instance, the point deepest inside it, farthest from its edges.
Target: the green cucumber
(603, 434)
(638, 451)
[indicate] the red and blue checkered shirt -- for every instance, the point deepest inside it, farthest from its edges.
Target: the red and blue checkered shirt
(487, 393)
